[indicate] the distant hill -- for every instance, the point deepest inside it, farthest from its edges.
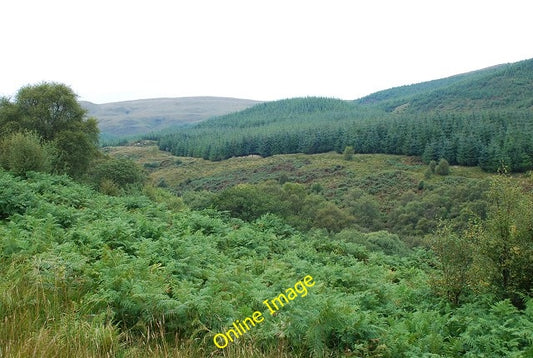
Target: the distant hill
(146, 115)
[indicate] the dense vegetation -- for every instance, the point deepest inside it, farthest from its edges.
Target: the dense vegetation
(483, 118)
(411, 256)
(368, 192)
(45, 129)
(85, 274)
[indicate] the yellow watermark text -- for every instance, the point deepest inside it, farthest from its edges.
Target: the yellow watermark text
(240, 327)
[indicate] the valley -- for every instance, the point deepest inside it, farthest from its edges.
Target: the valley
(403, 217)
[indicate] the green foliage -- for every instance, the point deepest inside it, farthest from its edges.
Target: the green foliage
(51, 110)
(443, 168)
(474, 119)
(245, 202)
(365, 209)
(502, 86)
(108, 187)
(493, 254)
(432, 166)
(389, 244)
(463, 138)
(115, 175)
(85, 274)
(15, 197)
(198, 200)
(164, 197)
(505, 250)
(455, 253)
(375, 192)
(332, 218)
(348, 153)
(75, 152)
(291, 201)
(23, 152)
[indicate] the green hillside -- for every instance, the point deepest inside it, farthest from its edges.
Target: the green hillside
(484, 118)
(128, 118)
(133, 252)
(322, 191)
(503, 88)
(84, 274)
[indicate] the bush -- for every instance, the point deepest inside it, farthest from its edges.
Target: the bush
(108, 187)
(331, 217)
(162, 196)
(348, 153)
(198, 200)
(432, 166)
(75, 151)
(122, 172)
(23, 152)
(443, 168)
(245, 201)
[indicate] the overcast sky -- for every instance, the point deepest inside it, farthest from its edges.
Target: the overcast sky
(121, 50)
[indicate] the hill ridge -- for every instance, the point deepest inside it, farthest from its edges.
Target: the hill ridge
(141, 116)
(485, 88)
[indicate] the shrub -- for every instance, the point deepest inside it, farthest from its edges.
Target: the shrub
(389, 244)
(432, 166)
(162, 196)
(23, 152)
(198, 200)
(108, 187)
(75, 150)
(122, 172)
(443, 168)
(348, 153)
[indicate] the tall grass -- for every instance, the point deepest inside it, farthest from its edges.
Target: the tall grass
(41, 319)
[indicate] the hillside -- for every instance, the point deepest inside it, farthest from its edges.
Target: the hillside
(141, 253)
(88, 275)
(503, 87)
(483, 118)
(370, 192)
(143, 116)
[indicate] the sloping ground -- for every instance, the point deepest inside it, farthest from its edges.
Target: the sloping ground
(502, 87)
(87, 275)
(146, 115)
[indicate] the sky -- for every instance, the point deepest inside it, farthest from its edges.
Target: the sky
(115, 50)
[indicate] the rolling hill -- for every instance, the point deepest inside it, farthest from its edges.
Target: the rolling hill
(507, 86)
(146, 115)
(480, 118)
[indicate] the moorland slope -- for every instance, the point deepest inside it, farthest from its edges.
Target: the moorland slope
(146, 115)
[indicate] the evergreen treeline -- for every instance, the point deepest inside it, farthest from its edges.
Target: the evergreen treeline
(487, 139)
(482, 118)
